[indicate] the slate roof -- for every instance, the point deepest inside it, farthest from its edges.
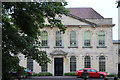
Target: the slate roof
(85, 13)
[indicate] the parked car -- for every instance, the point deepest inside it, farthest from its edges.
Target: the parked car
(20, 73)
(29, 73)
(92, 73)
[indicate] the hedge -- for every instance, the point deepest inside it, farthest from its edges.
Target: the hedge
(70, 74)
(112, 75)
(43, 74)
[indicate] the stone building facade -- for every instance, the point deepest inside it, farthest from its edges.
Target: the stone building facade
(116, 44)
(87, 42)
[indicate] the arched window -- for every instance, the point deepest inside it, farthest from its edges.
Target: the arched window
(30, 63)
(73, 64)
(58, 38)
(87, 62)
(44, 38)
(102, 63)
(87, 38)
(44, 68)
(101, 38)
(72, 38)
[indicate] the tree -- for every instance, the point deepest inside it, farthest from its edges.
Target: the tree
(21, 24)
(119, 4)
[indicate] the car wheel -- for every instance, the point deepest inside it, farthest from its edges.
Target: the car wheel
(101, 76)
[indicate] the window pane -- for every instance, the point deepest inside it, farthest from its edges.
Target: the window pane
(58, 38)
(93, 70)
(87, 38)
(72, 38)
(102, 63)
(44, 38)
(87, 62)
(87, 43)
(101, 38)
(44, 68)
(73, 64)
(29, 63)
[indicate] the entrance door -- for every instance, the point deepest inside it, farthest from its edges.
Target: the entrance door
(58, 66)
(119, 70)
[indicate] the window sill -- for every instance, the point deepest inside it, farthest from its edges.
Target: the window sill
(44, 46)
(101, 46)
(58, 47)
(87, 47)
(72, 46)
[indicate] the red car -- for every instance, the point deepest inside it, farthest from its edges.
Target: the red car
(92, 73)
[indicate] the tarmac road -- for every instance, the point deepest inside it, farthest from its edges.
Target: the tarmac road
(60, 78)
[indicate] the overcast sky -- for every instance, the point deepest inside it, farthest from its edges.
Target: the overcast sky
(107, 8)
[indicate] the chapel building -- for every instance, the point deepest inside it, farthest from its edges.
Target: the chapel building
(86, 43)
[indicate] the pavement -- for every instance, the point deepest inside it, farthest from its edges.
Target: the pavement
(60, 78)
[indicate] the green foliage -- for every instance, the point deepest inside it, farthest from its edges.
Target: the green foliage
(21, 24)
(10, 64)
(115, 78)
(119, 4)
(112, 75)
(43, 74)
(70, 74)
(35, 74)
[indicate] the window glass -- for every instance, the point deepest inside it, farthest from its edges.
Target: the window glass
(102, 63)
(73, 64)
(44, 68)
(87, 62)
(93, 70)
(44, 38)
(30, 63)
(87, 38)
(58, 38)
(101, 38)
(88, 70)
(72, 38)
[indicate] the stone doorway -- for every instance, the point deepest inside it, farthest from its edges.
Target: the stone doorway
(58, 66)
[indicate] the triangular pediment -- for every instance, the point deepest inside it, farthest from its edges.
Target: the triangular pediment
(58, 52)
(74, 20)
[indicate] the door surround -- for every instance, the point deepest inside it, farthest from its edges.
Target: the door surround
(58, 66)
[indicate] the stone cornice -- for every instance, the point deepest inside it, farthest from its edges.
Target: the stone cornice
(58, 52)
(106, 25)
